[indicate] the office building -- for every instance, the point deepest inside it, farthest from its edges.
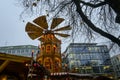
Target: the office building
(21, 50)
(88, 58)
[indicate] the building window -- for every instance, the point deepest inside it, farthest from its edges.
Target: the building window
(22, 51)
(9, 51)
(48, 48)
(48, 63)
(90, 49)
(26, 50)
(96, 69)
(13, 51)
(54, 48)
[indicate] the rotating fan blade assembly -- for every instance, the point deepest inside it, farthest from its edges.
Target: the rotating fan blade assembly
(33, 31)
(39, 27)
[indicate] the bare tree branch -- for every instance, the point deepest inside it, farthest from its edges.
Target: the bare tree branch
(93, 5)
(93, 27)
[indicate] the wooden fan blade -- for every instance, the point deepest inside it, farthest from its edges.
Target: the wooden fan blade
(32, 28)
(63, 28)
(55, 22)
(42, 22)
(62, 35)
(34, 35)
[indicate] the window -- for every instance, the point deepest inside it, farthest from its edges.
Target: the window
(96, 70)
(25, 50)
(77, 63)
(87, 56)
(83, 62)
(13, 51)
(95, 62)
(48, 63)
(77, 56)
(54, 48)
(48, 48)
(22, 51)
(9, 51)
(89, 48)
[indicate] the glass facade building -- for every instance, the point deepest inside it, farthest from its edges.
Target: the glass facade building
(21, 50)
(116, 65)
(88, 58)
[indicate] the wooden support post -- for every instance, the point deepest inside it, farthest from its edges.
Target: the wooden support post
(3, 65)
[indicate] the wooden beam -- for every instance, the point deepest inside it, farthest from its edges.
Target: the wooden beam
(3, 65)
(14, 58)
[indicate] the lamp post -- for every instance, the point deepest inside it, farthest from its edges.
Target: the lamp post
(32, 58)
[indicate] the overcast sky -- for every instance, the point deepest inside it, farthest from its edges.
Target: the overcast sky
(12, 27)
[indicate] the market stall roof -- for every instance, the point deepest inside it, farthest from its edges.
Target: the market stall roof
(13, 63)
